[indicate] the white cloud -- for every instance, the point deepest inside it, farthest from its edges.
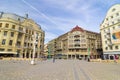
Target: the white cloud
(83, 13)
(39, 12)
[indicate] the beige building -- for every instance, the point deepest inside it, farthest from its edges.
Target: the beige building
(18, 35)
(110, 32)
(77, 43)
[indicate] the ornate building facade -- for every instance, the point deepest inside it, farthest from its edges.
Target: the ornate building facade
(77, 43)
(18, 36)
(110, 33)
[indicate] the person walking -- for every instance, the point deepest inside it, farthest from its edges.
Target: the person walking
(115, 59)
(53, 59)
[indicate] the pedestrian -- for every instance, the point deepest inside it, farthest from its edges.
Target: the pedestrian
(115, 59)
(53, 59)
(88, 59)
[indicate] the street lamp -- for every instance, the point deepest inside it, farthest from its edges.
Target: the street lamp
(35, 41)
(88, 54)
(48, 51)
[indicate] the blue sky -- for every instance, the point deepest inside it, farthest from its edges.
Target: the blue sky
(57, 17)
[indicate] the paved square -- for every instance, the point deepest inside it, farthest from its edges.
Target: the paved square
(60, 70)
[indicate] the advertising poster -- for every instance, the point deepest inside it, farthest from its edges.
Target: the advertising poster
(116, 36)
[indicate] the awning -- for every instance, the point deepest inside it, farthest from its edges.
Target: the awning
(8, 52)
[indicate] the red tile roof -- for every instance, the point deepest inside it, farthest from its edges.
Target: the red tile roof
(77, 28)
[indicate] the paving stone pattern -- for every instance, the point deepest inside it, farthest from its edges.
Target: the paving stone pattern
(59, 70)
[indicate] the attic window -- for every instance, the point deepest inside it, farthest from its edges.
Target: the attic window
(113, 9)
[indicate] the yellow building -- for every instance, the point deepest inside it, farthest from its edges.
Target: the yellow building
(51, 46)
(77, 43)
(110, 33)
(17, 35)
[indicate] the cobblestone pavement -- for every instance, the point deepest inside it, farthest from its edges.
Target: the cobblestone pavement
(60, 70)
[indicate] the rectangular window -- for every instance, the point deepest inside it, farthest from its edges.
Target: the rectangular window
(111, 47)
(26, 30)
(6, 25)
(116, 47)
(112, 22)
(0, 24)
(106, 42)
(3, 41)
(13, 26)
(12, 34)
(10, 42)
(111, 16)
(104, 36)
(106, 19)
(117, 14)
(20, 29)
(113, 28)
(5, 33)
(106, 48)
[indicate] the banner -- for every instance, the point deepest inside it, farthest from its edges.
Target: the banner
(116, 36)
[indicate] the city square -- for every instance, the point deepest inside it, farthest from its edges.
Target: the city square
(59, 70)
(60, 40)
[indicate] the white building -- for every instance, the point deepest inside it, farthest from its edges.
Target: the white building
(110, 33)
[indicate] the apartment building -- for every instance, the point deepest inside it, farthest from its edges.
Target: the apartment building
(77, 43)
(19, 35)
(110, 33)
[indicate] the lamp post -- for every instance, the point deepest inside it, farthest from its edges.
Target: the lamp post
(49, 52)
(88, 54)
(35, 37)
